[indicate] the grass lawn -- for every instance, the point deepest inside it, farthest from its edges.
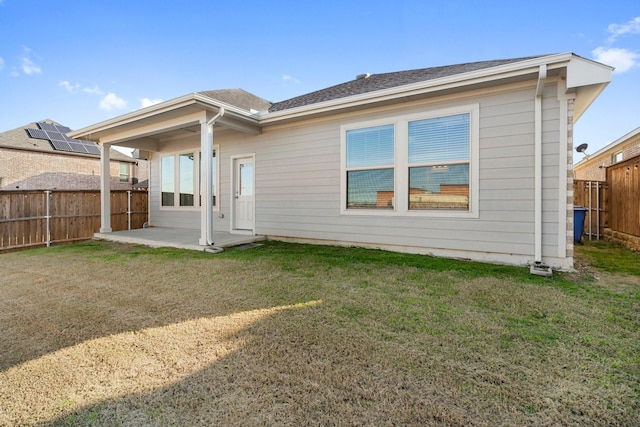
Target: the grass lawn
(284, 334)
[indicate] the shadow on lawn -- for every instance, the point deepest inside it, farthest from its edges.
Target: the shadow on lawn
(55, 299)
(250, 367)
(275, 375)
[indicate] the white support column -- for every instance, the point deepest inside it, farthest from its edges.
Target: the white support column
(105, 189)
(206, 185)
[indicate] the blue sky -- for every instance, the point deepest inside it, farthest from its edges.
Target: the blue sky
(83, 61)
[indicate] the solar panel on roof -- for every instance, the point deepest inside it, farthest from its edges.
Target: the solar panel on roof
(37, 133)
(56, 135)
(60, 145)
(92, 149)
(47, 126)
(77, 147)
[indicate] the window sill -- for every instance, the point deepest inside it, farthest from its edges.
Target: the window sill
(449, 214)
(185, 208)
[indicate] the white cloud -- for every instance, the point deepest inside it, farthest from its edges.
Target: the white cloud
(93, 90)
(1, 60)
(622, 59)
(631, 27)
(146, 102)
(71, 88)
(28, 67)
(290, 79)
(112, 102)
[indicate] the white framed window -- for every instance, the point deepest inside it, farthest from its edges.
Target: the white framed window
(420, 164)
(370, 167)
(180, 179)
(124, 171)
(439, 159)
(168, 180)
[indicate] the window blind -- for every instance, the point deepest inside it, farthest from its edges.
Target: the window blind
(441, 139)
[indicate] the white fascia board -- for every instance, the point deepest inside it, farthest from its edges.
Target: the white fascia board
(142, 113)
(530, 66)
(164, 107)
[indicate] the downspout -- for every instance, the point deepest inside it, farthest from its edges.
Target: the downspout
(207, 182)
(212, 121)
(538, 266)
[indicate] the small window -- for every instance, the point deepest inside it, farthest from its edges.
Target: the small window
(124, 171)
(168, 180)
(187, 170)
(618, 157)
(370, 168)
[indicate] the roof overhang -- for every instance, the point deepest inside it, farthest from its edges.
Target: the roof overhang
(143, 128)
(587, 79)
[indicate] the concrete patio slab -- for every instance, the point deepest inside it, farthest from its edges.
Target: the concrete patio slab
(176, 238)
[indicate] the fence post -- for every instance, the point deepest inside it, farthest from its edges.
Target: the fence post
(129, 209)
(598, 211)
(590, 204)
(48, 218)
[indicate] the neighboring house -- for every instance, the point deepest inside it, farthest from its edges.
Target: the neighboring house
(594, 167)
(40, 156)
(469, 161)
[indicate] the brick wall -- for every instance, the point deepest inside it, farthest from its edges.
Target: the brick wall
(32, 170)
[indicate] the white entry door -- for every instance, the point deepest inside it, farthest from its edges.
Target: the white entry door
(244, 183)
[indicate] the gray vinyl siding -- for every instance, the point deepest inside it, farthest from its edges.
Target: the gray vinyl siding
(298, 187)
(297, 173)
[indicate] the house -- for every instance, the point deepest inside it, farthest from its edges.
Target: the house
(469, 161)
(40, 156)
(594, 167)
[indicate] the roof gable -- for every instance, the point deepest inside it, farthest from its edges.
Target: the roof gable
(238, 98)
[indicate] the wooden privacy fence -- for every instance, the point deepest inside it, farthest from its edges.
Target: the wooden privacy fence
(41, 218)
(624, 183)
(614, 204)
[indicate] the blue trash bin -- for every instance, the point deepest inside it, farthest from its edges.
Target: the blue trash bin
(579, 214)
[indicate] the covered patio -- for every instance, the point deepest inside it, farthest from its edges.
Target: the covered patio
(177, 238)
(193, 196)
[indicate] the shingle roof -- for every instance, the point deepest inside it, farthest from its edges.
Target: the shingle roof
(19, 138)
(239, 98)
(382, 81)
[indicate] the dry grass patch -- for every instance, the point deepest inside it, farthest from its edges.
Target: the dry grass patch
(106, 334)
